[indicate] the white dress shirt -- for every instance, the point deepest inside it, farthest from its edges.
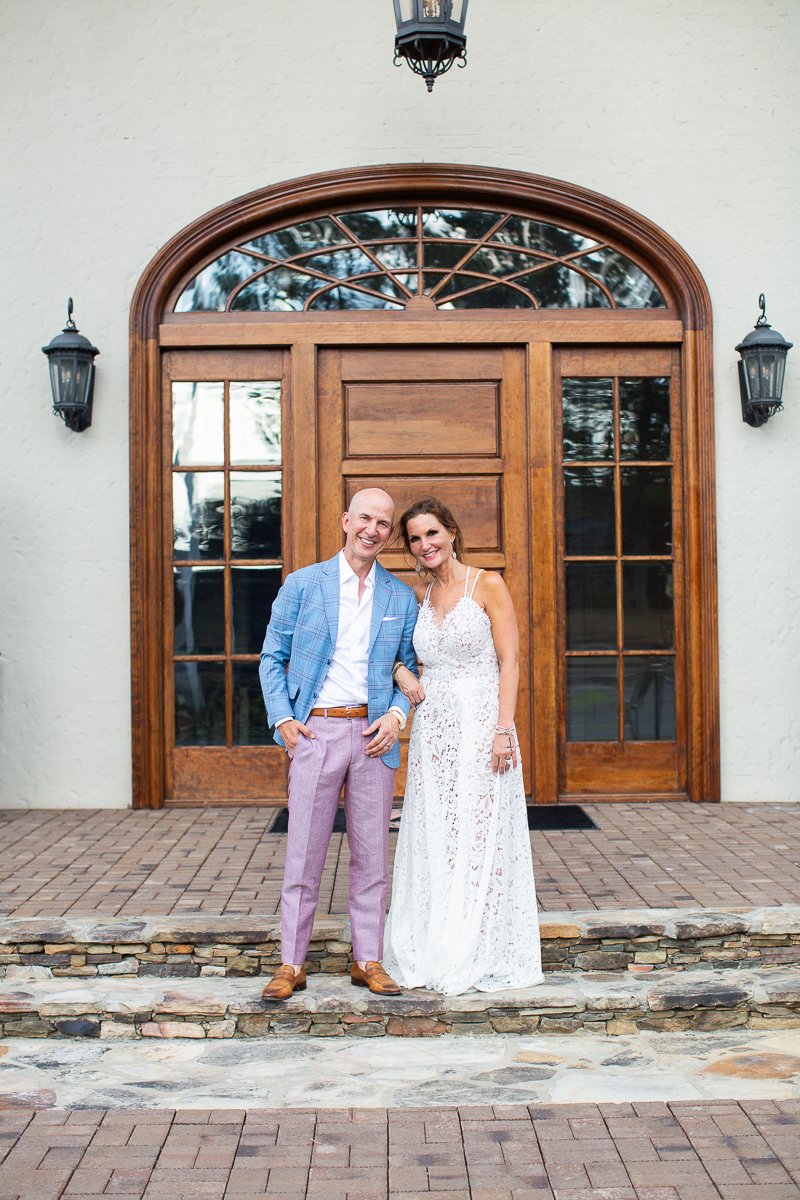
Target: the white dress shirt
(347, 681)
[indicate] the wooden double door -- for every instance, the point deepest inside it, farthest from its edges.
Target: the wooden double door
(564, 469)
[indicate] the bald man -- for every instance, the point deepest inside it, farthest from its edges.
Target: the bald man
(336, 631)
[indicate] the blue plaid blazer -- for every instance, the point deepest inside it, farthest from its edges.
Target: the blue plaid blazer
(301, 637)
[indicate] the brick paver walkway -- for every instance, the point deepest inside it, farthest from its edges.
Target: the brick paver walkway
(748, 1150)
(224, 860)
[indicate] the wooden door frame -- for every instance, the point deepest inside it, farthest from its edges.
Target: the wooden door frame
(686, 323)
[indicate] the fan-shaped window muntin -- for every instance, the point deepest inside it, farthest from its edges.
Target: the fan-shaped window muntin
(381, 258)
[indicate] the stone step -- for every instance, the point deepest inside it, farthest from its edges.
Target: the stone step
(331, 1007)
(186, 946)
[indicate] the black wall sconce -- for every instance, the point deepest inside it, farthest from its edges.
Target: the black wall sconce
(761, 370)
(71, 357)
(430, 36)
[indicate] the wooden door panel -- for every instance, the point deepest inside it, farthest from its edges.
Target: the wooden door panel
(390, 419)
(448, 422)
(476, 499)
(635, 768)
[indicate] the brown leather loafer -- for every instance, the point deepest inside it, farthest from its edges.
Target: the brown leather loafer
(284, 982)
(375, 978)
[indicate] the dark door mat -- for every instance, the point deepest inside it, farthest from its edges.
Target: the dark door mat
(540, 817)
(559, 816)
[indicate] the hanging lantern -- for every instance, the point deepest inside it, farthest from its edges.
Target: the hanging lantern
(430, 36)
(71, 357)
(761, 370)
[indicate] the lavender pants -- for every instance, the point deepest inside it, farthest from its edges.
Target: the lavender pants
(318, 770)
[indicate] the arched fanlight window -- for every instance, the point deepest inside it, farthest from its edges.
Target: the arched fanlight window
(380, 259)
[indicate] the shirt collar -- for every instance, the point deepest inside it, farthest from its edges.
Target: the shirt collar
(346, 572)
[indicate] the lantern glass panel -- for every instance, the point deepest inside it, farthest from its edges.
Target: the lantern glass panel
(457, 11)
(753, 376)
(432, 10)
(780, 367)
(768, 375)
(55, 379)
(405, 10)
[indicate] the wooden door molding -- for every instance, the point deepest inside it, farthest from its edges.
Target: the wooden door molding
(689, 320)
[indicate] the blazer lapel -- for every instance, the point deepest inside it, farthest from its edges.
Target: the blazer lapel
(330, 594)
(380, 602)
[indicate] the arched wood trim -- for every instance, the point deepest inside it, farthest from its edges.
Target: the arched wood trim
(550, 199)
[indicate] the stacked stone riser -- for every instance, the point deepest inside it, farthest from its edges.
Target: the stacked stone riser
(639, 942)
(566, 1004)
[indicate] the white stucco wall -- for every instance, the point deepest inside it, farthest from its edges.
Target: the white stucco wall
(124, 122)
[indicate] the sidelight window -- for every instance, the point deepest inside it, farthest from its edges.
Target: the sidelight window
(226, 557)
(619, 559)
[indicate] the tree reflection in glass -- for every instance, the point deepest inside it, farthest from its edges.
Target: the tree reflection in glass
(198, 514)
(644, 418)
(256, 514)
(588, 409)
(255, 423)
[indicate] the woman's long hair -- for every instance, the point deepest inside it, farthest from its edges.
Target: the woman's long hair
(432, 507)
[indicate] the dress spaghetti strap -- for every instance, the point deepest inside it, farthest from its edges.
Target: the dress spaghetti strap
(475, 580)
(428, 592)
(466, 581)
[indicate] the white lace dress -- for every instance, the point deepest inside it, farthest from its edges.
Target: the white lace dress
(463, 912)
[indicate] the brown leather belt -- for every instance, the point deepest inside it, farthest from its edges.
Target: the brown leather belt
(350, 711)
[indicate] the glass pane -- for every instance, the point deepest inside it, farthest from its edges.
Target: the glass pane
(250, 726)
(255, 514)
(649, 699)
(198, 417)
(754, 376)
(588, 407)
(534, 235)
(628, 284)
(382, 223)
(444, 254)
(253, 590)
(281, 290)
(199, 704)
(345, 297)
(431, 10)
(495, 261)
(198, 514)
(647, 604)
(589, 510)
(397, 256)
(767, 375)
(501, 296)
(311, 235)
(592, 700)
(457, 223)
(340, 264)
(644, 419)
(211, 288)
(406, 10)
(255, 415)
(560, 287)
(646, 510)
(591, 606)
(199, 610)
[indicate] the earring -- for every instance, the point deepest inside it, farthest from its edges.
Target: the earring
(454, 552)
(418, 569)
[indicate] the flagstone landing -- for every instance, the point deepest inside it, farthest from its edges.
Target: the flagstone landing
(222, 1008)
